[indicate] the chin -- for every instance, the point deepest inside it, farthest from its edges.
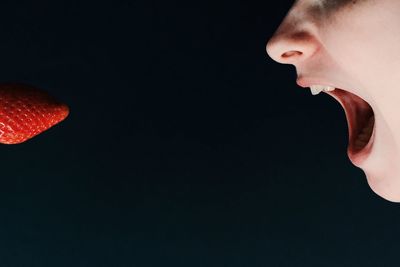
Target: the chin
(385, 187)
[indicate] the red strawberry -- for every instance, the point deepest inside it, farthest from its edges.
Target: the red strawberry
(26, 111)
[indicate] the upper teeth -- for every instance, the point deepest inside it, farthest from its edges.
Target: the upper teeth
(316, 89)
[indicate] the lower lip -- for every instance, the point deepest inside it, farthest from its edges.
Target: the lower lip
(360, 156)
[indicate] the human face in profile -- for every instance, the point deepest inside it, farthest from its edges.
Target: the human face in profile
(353, 46)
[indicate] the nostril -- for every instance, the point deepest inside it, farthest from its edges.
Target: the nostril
(291, 54)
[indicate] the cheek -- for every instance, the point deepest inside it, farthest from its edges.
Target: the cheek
(365, 42)
(350, 55)
(367, 59)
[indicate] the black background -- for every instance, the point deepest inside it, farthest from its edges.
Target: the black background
(185, 146)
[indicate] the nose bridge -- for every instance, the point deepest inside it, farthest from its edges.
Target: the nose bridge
(294, 40)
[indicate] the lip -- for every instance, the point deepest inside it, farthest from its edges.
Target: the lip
(307, 82)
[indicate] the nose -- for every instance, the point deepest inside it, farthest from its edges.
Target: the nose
(293, 42)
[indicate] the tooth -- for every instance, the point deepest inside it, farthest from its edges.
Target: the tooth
(316, 89)
(363, 136)
(329, 88)
(359, 144)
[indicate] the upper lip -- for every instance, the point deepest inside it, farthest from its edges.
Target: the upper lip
(307, 82)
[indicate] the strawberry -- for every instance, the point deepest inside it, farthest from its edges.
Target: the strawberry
(26, 111)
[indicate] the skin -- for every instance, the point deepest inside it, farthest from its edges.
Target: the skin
(356, 46)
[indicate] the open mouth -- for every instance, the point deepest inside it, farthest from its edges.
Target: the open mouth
(361, 124)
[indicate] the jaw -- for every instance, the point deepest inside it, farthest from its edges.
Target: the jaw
(379, 158)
